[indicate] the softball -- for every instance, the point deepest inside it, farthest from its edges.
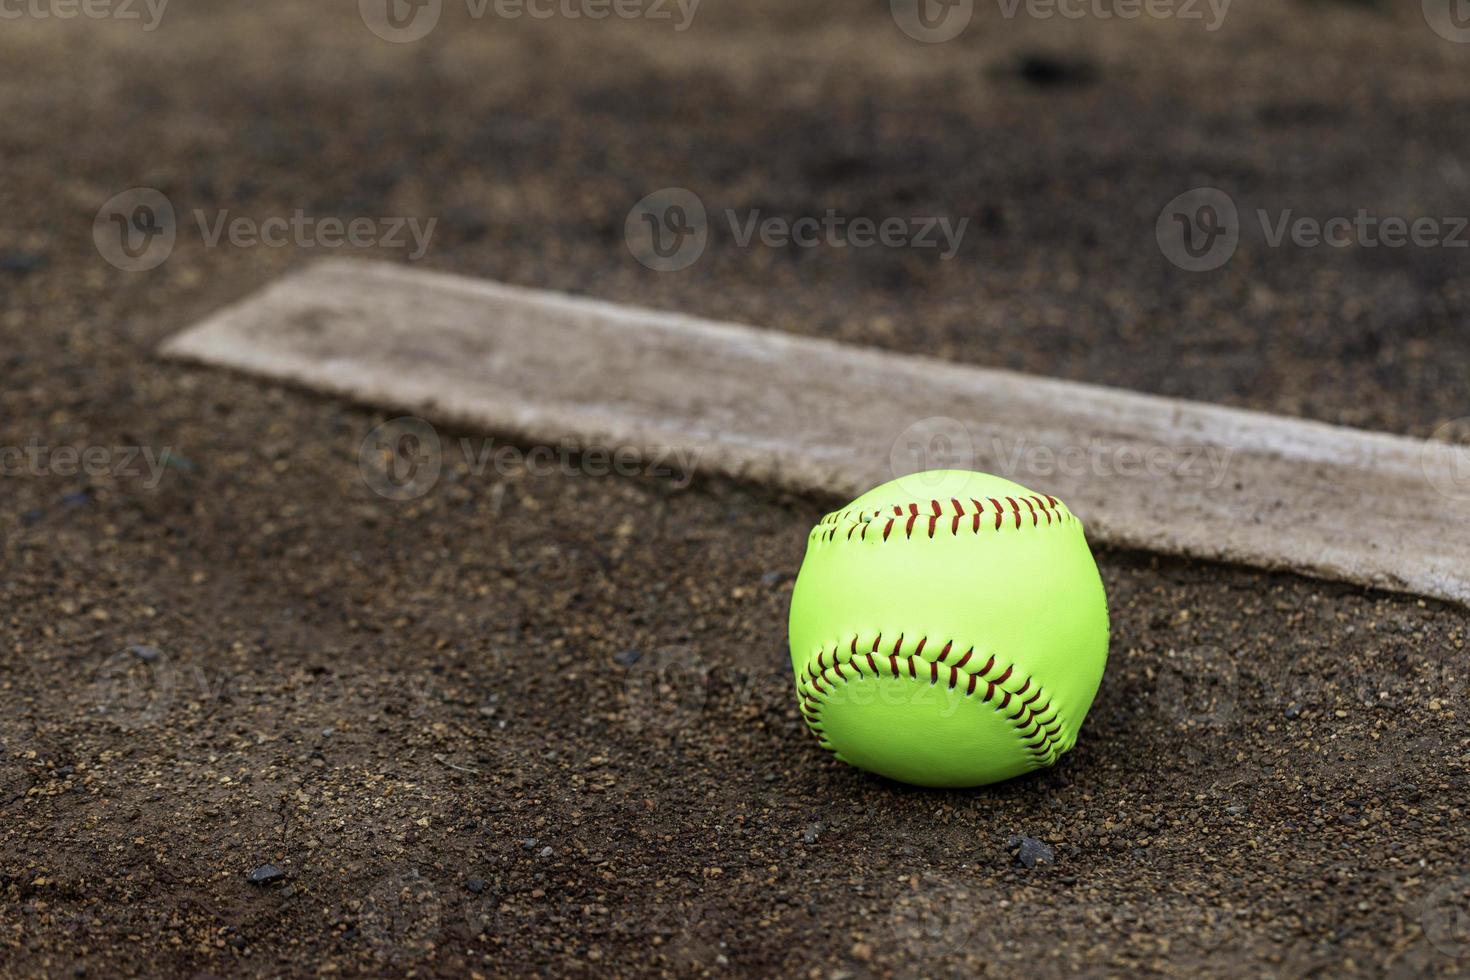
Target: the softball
(948, 628)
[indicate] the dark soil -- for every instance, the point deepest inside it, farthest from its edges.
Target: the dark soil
(544, 722)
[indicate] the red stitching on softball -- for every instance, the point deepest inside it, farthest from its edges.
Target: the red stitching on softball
(1038, 737)
(858, 520)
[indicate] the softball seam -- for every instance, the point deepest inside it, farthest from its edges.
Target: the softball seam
(1037, 508)
(1038, 725)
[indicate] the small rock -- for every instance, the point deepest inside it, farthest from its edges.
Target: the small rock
(146, 654)
(476, 885)
(812, 834)
(529, 844)
(629, 657)
(21, 262)
(1293, 710)
(1050, 71)
(1029, 851)
(546, 851)
(772, 578)
(265, 874)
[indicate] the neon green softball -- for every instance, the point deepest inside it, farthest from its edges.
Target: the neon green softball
(948, 628)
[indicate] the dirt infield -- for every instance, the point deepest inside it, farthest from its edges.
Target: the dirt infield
(541, 721)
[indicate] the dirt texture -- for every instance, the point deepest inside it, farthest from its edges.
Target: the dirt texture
(262, 720)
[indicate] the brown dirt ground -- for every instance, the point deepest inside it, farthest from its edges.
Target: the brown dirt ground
(430, 715)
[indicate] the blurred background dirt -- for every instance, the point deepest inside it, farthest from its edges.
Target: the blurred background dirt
(543, 723)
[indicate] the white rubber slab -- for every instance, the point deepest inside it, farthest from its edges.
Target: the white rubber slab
(815, 416)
